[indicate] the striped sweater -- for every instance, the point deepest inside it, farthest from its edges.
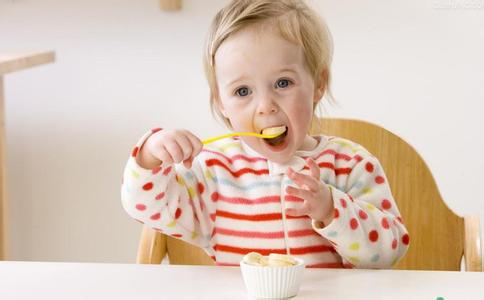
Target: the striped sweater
(232, 202)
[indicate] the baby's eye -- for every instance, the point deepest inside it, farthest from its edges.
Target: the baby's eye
(242, 92)
(283, 83)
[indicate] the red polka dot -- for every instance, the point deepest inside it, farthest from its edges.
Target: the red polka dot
(214, 197)
(358, 158)
(399, 219)
(200, 188)
(140, 207)
(351, 198)
(155, 130)
(386, 204)
(405, 239)
(213, 216)
(343, 202)
(178, 213)
(353, 223)
(373, 235)
(369, 167)
(379, 179)
(363, 214)
(148, 186)
(160, 196)
(167, 171)
(336, 213)
(394, 244)
(134, 153)
(155, 171)
(155, 217)
(177, 235)
(384, 223)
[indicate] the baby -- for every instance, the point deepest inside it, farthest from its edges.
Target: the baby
(323, 199)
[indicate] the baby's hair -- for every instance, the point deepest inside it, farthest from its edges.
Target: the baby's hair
(297, 23)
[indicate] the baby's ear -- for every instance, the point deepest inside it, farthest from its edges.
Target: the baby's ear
(220, 112)
(219, 106)
(320, 86)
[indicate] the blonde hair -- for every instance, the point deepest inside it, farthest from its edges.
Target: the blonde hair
(297, 23)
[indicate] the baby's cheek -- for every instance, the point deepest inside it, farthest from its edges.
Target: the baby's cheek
(241, 121)
(301, 113)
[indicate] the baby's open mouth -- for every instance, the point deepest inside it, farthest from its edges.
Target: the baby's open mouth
(278, 140)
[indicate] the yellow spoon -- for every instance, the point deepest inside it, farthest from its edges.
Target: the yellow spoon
(268, 133)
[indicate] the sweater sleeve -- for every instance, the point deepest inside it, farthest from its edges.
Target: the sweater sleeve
(170, 199)
(367, 229)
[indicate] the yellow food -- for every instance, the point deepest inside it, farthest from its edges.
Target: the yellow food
(281, 260)
(274, 130)
(273, 260)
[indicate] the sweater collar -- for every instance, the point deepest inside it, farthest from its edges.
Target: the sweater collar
(297, 162)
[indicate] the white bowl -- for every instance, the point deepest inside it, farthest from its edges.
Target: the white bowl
(272, 282)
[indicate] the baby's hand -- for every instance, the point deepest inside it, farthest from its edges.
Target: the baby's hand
(318, 202)
(168, 147)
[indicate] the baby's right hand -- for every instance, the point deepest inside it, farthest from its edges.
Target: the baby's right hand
(168, 147)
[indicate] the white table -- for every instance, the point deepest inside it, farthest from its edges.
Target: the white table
(47, 280)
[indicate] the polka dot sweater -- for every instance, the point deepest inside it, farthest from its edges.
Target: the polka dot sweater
(232, 202)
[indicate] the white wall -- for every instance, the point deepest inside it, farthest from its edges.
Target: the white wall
(125, 66)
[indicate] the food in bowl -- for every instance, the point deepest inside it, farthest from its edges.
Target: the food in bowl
(272, 260)
(276, 276)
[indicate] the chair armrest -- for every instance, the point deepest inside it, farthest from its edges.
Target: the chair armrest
(152, 247)
(472, 243)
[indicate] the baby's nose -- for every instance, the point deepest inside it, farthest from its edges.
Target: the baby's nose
(267, 106)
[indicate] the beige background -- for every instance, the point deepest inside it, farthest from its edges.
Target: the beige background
(413, 66)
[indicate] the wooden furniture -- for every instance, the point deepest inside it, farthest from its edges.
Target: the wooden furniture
(154, 246)
(11, 62)
(438, 237)
(59, 281)
(170, 5)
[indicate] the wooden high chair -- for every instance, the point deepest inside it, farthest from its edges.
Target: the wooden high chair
(439, 238)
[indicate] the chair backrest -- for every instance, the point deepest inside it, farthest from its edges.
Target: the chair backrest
(436, 232)
(154, 246)
(439, 237)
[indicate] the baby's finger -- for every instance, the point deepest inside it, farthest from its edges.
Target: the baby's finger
(313, 168)
(301, 193)
(297, 212)
(188, 163)
(164, 156)
(196, 144)
(185, 146)
(175, 151)
(303, 180)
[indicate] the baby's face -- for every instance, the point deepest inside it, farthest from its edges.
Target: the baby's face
(263, 82)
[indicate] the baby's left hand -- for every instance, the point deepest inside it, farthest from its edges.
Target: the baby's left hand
(318, 202)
